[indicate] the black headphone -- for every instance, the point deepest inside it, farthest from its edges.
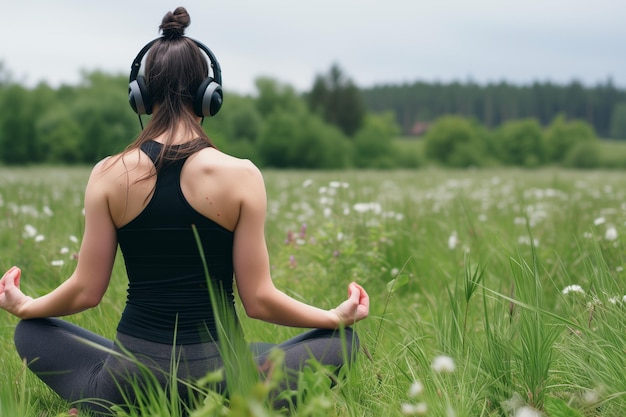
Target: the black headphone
(206, 102)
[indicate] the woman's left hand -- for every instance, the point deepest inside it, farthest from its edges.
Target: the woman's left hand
(355, 308)
(11, 297)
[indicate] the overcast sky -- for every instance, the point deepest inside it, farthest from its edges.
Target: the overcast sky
(374, 42)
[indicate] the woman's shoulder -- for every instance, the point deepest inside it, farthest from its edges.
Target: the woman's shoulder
(127, 166)
(214, 161)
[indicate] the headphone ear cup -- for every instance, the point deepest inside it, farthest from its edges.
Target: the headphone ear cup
(139, 96)
(208, 99)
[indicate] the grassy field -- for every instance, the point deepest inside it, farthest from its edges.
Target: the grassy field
(611, 155)
(494, 292)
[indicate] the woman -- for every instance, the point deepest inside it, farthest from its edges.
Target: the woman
(146, 199)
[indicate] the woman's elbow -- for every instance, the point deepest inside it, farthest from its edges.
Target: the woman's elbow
(258, 307)
(254, 310)
(89, 300)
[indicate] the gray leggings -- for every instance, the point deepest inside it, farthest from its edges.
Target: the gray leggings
(82, 366)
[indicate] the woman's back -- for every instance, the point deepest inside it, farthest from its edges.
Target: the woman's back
(214, 184)
(167, 281)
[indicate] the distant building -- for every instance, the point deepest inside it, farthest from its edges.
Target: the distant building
(419, 128)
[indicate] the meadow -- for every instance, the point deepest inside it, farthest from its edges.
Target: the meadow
(495, 292)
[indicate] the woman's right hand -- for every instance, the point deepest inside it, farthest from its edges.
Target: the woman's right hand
(355, 308)
(11, 297)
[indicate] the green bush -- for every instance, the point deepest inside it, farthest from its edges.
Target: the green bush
(562, 136)
(238, 120)
(59, 136)
(373, 143)
(302, 140)
(409, 152)
(17, 137)
(583, 155)
(456, 142)
(520, 143)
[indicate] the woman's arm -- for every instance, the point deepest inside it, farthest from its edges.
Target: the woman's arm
(260, 298)
(87, 285)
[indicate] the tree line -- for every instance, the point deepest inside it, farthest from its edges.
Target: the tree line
(602, 106)
(276, 127)
(334, 125)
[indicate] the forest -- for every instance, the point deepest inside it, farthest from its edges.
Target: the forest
(602, 106)
(334, 125)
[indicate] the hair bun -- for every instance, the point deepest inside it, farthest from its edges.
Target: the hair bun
(174, 23)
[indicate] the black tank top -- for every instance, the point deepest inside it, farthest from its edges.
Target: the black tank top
(167, 287)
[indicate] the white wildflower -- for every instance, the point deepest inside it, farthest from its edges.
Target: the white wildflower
(599, 221)
(619, 268)
(453, 240)
(399, 216)
(365, 207)
(64, 250)
(611, 233)
(47, 211)
(340, 236)
(624, 299)
(416, 388)
(30, 231)
(73, 239)
(573, 288)
(334, 184)
(593, 303)
(591, 396)
(40, 238)
(58, 262)
(394, 272)
(407, 409)
(307, 183)
(29, 210)
(588, 235)
(613, 300)
(361, 207)
(418, 409)
(443, 364)
(527, 411)
(327, 212)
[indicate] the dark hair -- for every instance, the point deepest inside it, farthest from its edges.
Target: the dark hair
(174, 69)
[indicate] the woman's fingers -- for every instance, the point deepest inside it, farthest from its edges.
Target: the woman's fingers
(11, 278)
(10, 295)
(356, 307)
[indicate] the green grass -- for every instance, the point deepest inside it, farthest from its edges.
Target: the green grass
(613, 153)
(468, 265)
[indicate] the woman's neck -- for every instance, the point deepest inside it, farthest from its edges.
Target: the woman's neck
(177, 134)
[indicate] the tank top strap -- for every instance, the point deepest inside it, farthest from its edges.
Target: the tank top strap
(175, 154)
(152, 149)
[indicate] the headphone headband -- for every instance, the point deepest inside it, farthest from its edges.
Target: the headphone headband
(215, 66)
(207, 100)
